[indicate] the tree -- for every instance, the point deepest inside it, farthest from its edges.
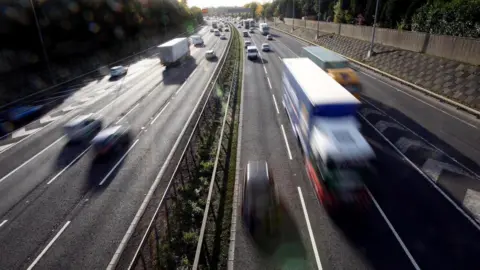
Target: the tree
(259, 11)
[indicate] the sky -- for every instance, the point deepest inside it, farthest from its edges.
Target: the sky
(217, 3)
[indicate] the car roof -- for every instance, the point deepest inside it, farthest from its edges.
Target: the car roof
(251, 47)
(257, 174)
(210, 51)
(78, 120)
(263, 44)
(104, 134)
(117, 67)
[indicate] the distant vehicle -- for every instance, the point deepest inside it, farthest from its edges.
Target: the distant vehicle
(214, 24)
(245, 33)
(222, 36)
(211, 30)
(251, 31)
(239, 26)
(217, 33)
(220, 29)
(252, 52)
(261, 205)
(19, 113)
(322, 114)
(227, 29)
(210, 54)
(265, 47)
(196, 40)
(114, 138)
(172, 52)
(82, 128)
(247, 43)
(264, 29)
(269, 37)
(336, 66)
(118, 71)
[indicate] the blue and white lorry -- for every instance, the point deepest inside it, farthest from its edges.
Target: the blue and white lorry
(323, 117)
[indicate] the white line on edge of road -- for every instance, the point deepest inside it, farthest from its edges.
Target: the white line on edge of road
(309, 227)
(422, 101)
(424, 175)
(125, 115)
(118, 163)
(48, 246)
(404, 247)
(275, 102)
(3, 222)
(286, 143)
(269, 83)
(158, 115)
(68, 166)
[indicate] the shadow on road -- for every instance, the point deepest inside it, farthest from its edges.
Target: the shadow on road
(179, 74)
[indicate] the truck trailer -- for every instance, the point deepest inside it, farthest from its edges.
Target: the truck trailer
(174, 51)
(323, 117)
(264, 29)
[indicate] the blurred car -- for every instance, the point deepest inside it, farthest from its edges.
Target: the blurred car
(269, 37)
(239, 26)
(111, 139)
(19, 113)
(247, 43)
(265, 47)
(261, 204)
(211, 30)
(227, 30)
(82, 128)
(222, 36)
(252, 52)
(210, 54)
(245, 34)
(118, 71)
(216, 32)
(251, 31)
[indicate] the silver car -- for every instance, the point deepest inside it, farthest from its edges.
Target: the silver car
(118, 71)
(82, 128)
(111, 139)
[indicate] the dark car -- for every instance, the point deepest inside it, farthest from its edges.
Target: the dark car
(261, 204)
(114, 138)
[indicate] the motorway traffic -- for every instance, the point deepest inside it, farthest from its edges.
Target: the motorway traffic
(425, 150)
(62, 206)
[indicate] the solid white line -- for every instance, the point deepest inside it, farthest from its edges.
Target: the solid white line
(3, 222)
(269, 84)
(424, 175)
(119, 120)
(118, 163)
(424, 102)
(309, 227)
(286, 143)
(68, 166)
(48, 246)
(185, 82)
(163, 109)
(275, 102)
(425, 140)
(26, 162)
(404, 247)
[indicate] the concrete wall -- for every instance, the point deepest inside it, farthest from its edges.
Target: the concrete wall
(455, 48)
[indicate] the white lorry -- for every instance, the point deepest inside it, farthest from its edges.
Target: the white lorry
(264, 29)
(172, 52)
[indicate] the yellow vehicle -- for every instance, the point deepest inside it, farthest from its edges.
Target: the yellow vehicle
(336, 66)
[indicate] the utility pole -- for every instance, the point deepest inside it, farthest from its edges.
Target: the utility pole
(318, 20)
(370, 51)
(40, 36)
(293, 19)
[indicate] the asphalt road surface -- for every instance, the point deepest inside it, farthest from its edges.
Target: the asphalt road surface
(63, 208)
(423, 215)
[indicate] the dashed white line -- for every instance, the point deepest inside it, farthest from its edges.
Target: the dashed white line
(3, 222)
(158, 115)
(48, 246)
(269, 84)
(131, 110)
(118, 163)
(310, 232)
(404, 247)
(275, 102)
(68, 166)
(286, 142)
(264, 68)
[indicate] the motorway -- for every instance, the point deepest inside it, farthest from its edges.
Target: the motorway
(427, 174)
(63, 208)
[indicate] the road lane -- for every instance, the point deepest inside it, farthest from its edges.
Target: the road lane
(65, 197)
(436, 233)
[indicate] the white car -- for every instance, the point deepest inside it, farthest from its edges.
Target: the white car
(265, 47)
(222, 36)
(82, 128)
(216, 32)
(210, 54)
(247, 43)
(269, 37)
(118, 71)
(252, 52)
(251, 31)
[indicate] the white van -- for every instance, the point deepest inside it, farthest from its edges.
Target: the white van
(252, 52)
(216, 33)
(196, 40)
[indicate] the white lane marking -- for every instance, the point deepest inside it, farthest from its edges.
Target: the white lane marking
(269, 84)
(48, 119)
(158, 115)
(310, 232)
(279, 57)
(118, 163)
(296, 55)
(400, 241)
(5, 147)
(68, 166)
(286, 143)
(48, 246)
(424, 140)
(424, 102)
(3, 222)
(26, 162)
(275, 102)
(264, 68)
(131, 110)
(22, 132)
(435, 186)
